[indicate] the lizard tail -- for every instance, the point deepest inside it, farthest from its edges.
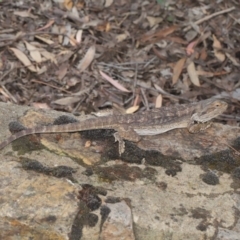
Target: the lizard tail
(72, 127)
(29, 131)
(16, 136)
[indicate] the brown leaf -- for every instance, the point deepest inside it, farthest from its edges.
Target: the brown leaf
(104, 27)
(24, 59)
(66, 30)
(68, 4)
(88, 144)
(48, 56)
(193, 74)
(154, 20)
(114, 82)
(217, 47)
(159, 99)
(26, 14)
(67, 101)
(46, 40)
(88, 58)
(62, 71)
(79, 36)
(108, 3)
(233, 60)
(203, 54)
(176, 40)
(200, 72)
(121, 37)
(50, 23)
(40, 105)
(158, 35)
(190, 48)
(35, 54)
(132, 109)
(177, 70)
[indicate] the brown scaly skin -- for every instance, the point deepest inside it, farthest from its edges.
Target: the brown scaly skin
(132, 126)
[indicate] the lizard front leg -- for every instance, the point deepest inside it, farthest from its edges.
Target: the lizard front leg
(127, 133)
(198, 127)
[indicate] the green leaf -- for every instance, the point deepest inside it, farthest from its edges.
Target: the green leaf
(161, 2)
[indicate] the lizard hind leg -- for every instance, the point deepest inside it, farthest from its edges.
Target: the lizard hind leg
(127, 133)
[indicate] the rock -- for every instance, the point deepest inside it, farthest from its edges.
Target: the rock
(47, 190)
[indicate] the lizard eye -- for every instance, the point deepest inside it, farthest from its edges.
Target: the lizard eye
(217, 104)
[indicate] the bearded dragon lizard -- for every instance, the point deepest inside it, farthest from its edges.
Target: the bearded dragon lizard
(193, 116)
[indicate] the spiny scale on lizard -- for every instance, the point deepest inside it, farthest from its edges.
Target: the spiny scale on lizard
(130, 126)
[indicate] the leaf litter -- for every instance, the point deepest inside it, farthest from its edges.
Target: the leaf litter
(86, 55)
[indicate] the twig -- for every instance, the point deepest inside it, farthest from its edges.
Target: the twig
(7, 94)
(50, 85)
(209, 17)
(69, 15)
(4, 90)
(236, 20)
(235, 150)
(10, 41)
(148, 62)
(86, 90)
(145, 99)
(6, 73)
(231, 117)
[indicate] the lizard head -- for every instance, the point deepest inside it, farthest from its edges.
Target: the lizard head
(209, 109)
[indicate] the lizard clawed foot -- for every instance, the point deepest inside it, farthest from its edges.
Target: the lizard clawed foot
(121, 146)
(124, 132)
(199, 127)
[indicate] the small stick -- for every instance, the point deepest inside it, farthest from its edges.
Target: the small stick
(50, 85)
(209, 17)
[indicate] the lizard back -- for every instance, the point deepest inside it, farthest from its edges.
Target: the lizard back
(179, 114)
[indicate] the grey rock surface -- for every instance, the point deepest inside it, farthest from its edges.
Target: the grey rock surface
(75, 186)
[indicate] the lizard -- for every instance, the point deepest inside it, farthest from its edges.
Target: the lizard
(193, 116)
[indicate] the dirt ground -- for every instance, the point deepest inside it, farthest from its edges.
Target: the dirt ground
(83, 56)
